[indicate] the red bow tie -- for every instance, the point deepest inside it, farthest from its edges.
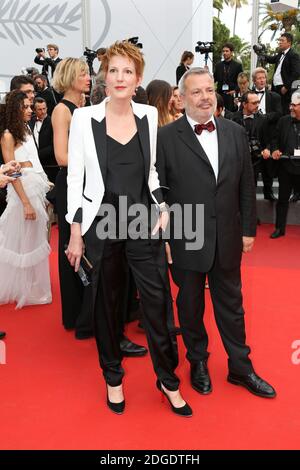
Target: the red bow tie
(209, 126)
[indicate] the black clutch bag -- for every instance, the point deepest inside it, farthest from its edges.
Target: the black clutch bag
(85, 270)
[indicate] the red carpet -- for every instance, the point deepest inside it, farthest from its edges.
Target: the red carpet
(53, 394)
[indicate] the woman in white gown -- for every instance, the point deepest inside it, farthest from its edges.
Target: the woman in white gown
(24, 249)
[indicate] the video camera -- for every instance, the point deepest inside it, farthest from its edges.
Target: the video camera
(205, 47)
(259, 49)
(90, 54)
(135, 42)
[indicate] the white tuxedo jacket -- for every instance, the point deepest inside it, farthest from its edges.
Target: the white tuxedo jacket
(87, 159)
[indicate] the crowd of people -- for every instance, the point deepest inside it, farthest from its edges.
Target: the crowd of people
(85, 148)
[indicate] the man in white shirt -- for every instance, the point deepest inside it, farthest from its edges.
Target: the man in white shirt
(270, 108)
(287, 69)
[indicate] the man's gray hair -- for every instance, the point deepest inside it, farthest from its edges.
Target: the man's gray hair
(258, 70)
(192, 71)
(296, 96)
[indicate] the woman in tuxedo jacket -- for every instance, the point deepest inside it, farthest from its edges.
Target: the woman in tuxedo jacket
(112, 150)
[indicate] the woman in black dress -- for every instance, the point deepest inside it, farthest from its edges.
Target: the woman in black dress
(71, 79)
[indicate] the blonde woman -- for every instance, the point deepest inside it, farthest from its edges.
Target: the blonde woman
(72, 80)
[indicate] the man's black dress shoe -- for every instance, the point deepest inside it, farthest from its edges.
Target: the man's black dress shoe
(130, 349)
(277, 233)
(2, 334)
(200, 378)
(253, 383)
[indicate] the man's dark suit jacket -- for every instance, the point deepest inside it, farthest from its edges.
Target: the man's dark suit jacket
(260, 129)
(285, 140)
(229, 203)
(231, 79)
(51, 98)
(40, 61)
(290, 69)
(46, 148)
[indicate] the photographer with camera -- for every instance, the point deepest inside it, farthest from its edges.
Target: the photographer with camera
(256, 129)
(186, 61)
(48, 63)
(287, 68)
(225, 74)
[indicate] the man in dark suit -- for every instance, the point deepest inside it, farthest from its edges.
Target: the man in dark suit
(287, 142)
(287, 69)
(45, 92)
(225, 74)
(206, 164)
(41, 127)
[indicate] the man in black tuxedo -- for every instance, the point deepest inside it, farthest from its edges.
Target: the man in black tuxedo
(225, 74)
(41, 127)
(287, 142)
(271, 110)
(287, 69)
(206, 164)
(48, 63)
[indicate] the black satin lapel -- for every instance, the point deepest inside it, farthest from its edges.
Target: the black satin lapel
(221, 144)
(99, 132)
(187, 134)
(143, 133)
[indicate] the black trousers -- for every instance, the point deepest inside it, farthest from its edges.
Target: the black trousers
(225, 290)
(76, 300)
(285, 99)
(107, 285)
(287, 181)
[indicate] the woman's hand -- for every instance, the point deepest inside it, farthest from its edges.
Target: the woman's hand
(75, 250)
(11, 167)
(29, 211)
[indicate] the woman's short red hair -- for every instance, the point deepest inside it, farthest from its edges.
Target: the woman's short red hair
(125, 49)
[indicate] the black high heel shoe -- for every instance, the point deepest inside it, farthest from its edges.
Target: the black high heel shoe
(185, 411)
(117, 408)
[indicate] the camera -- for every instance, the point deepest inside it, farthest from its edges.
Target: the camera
(39, 50)
(90, 54)
(259, 49)
(135, 42)
(204, 47)
(255, 148)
